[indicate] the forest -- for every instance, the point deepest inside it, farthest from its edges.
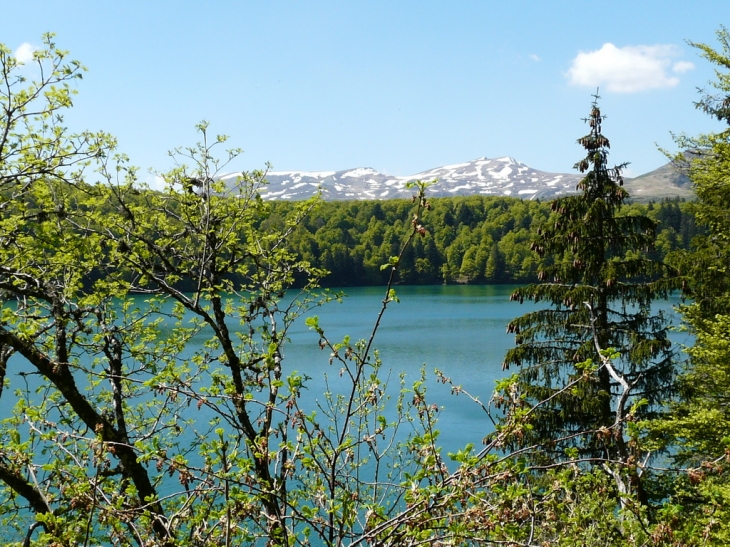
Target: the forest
(475, 239)
(147, 398)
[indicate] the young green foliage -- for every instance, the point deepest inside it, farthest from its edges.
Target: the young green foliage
(697, 423)
(147, 398)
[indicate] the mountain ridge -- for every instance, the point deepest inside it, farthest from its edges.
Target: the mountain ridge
(504, 176)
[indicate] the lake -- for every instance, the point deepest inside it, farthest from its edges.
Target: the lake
(459, 329)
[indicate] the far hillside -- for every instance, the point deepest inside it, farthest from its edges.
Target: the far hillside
(664, 183)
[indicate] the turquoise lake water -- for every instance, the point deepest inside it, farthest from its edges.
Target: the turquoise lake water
(458, 329)
(461, 330)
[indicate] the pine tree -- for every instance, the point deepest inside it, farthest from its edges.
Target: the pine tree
(596, 280)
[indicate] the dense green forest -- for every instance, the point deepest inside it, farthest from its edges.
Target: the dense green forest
(474, 239)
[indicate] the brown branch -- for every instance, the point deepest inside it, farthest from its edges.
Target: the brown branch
(61, 377)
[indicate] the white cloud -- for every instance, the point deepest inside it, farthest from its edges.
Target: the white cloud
(24, 53)
(628, 69)
(535, 57)
(680, 67)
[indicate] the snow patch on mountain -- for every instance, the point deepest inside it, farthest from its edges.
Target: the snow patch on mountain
(482, 176)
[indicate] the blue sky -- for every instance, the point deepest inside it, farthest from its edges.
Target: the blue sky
(400, 86)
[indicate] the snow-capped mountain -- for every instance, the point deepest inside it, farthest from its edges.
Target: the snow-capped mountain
(493, 177)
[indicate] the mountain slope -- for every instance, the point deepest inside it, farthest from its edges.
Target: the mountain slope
(665, 182)
(495, 177)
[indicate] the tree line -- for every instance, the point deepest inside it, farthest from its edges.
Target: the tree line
(475, 239)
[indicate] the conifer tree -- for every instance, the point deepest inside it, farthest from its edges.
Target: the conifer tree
(599, 287)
